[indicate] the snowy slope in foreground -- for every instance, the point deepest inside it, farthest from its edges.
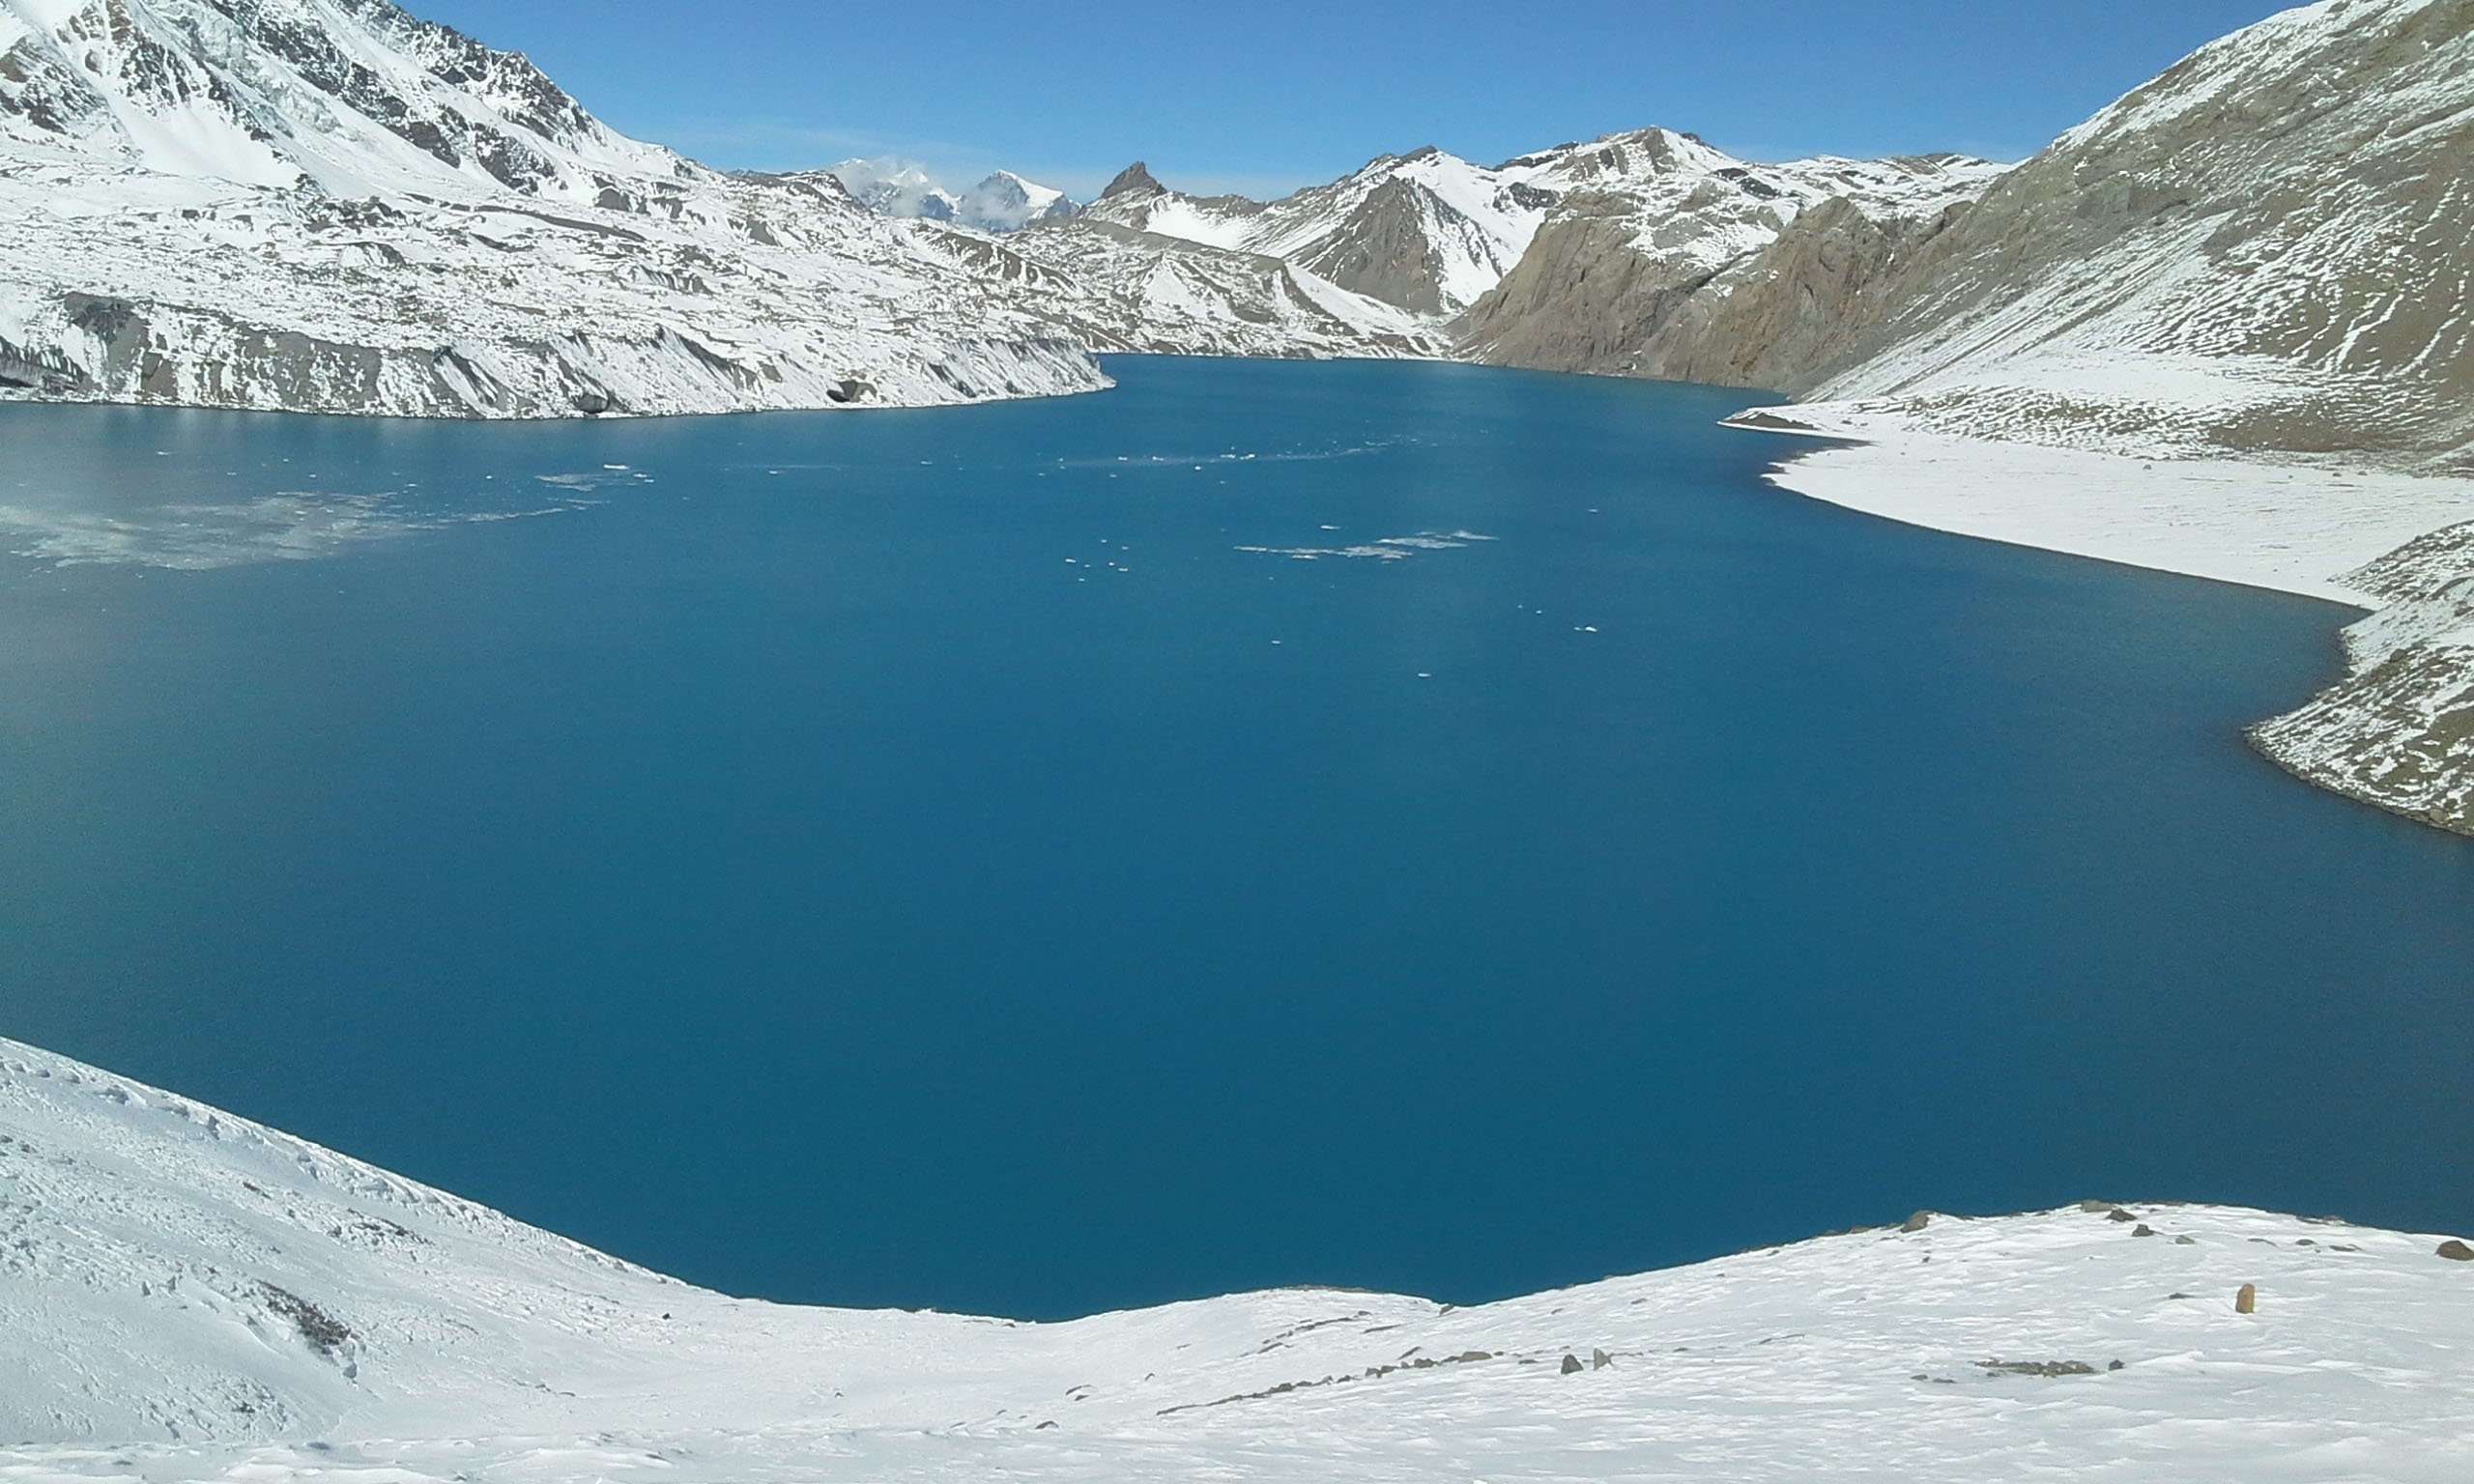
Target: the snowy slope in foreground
(186, 1295)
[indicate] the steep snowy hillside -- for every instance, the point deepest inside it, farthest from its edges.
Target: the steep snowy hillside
(327, 204)
(2267, 253)
(2269, 247)
(184, 1295)
(1171, 296)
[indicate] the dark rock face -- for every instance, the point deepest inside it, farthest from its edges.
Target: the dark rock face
(42, 370)
(2040, 1367)
(1586, 298)
(1581, 299)
(1382, 250)
(1134, 181)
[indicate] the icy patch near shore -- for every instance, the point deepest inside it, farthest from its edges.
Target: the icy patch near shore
(193, 537)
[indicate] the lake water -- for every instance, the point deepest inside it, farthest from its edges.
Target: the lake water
(959, 859)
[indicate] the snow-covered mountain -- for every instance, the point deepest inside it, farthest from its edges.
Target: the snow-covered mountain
(1655, 219)
(1005, 202)
(186, 1294)
(1433, 234)
(2268, 254)
(330, 204)
(1000, 202)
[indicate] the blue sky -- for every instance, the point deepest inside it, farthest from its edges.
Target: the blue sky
(1270, 94)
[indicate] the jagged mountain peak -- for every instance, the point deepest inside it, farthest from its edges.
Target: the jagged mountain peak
(1134, 180)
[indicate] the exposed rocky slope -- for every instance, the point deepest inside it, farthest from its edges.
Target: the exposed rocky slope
(1660, 230)
(186, 1294)
(2269, 248)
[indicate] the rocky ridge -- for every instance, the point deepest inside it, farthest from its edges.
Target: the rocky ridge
(2264, 250)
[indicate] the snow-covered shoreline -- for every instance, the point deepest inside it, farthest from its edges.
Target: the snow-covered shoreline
(2293, 526)
(2397, 733)
(186, 1295)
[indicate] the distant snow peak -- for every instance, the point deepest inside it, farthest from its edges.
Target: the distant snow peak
(1005, 202)
(895, 188)
(1000, 202)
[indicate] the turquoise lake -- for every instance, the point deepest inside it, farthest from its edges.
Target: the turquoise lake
(971, 858)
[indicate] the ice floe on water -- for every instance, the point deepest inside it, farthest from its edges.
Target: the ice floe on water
(1198, 461)
(201, 535)
(1382, 549)
(602, 478)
